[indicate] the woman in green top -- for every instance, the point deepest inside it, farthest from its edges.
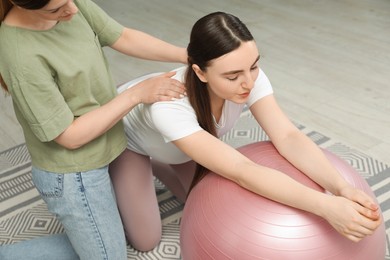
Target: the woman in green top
(53, 66)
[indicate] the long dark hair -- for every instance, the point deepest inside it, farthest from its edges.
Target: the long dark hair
(211, 37)
(6, 5)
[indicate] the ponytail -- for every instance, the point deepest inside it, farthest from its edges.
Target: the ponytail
(199, 99)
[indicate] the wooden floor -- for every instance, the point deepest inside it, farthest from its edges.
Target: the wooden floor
(329, 61)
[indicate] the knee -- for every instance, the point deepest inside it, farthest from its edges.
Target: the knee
(148, 241)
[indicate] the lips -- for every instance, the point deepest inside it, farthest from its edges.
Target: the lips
(244, 95)
(67, 16)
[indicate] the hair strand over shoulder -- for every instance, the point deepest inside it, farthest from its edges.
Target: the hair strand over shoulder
(212, 36)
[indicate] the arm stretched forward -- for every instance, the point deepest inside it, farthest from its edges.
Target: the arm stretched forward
(306, 156)
(348, 217)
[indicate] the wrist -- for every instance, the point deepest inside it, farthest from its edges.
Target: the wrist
(131, 96)
(340, 187)
(321, 207)
(184, 56)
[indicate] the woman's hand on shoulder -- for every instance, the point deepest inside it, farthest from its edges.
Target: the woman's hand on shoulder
(349, 218)
(159, 88)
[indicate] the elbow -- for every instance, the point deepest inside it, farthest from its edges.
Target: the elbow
(241, 174)
(68, 144)
(72, 138)
(289, 141)
(72, 146)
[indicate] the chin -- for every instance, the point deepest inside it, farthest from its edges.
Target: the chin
(239, 101)
(242, 100)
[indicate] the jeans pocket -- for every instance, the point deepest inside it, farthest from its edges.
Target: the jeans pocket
(48, 184)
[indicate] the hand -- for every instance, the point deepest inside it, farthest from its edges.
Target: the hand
(349, 218)
(371, 209)
(159, 88)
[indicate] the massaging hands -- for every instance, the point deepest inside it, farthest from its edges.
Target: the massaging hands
(159, 88)
(353, 214)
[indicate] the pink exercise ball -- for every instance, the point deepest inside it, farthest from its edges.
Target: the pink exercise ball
(222, 220)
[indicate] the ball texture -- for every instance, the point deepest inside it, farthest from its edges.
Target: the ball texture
(222, 220)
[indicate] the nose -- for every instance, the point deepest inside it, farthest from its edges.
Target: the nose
(248, 81)
(71, 8)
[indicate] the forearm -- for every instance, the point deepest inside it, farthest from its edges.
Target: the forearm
(233, 165)
(96, 122)
(91, 125)
(141, 45)
(308, 157)
(281, 188)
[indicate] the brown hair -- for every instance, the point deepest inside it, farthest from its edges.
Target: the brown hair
(5, 7)
(212, 36)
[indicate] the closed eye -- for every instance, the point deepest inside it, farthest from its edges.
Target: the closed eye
(233, 78)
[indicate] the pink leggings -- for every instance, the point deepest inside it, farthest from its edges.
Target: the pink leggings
(132, 177)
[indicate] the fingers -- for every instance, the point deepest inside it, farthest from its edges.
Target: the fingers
(368, 213)
(363, 225)
(168, 74)
(171, 90)
(359, 232)
(369, 208)
(353, 220)
(170, 96)
(159, 88)
(365, 200)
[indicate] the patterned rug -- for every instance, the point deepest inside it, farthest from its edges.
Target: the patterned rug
(23, 215)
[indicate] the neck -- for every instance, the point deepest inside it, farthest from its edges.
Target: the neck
(216, 107)
(27, 19)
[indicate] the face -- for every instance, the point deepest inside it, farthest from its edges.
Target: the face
(232, 76)
(57, 10)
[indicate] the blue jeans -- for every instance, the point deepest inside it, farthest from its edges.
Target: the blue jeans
(84, 203)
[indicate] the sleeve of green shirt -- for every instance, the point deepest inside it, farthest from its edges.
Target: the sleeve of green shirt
(43, 105)
(106, 28)
(47, 104)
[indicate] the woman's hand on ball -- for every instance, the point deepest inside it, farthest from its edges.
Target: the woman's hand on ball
(371, 209)
(349, 218)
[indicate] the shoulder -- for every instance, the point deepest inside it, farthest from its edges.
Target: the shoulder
(261, 88)
(180, 73)
(180, 108)
(88, 9)
(262, 78)
(105, 27)
(84, 4)
(174, 119)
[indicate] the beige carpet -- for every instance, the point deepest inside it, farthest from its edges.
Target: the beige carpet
(23, 215)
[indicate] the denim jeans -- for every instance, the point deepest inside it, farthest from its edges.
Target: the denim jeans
(84, 203)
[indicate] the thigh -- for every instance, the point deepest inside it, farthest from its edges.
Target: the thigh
(185, 173)
(133, 182)
(85, 205)
(55, 246)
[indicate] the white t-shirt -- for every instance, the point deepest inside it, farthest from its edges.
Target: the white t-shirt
(151, 128)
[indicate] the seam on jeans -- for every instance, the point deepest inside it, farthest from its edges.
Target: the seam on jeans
(55, 191)
(93, 222)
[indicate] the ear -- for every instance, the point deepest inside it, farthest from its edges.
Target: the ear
(199, 73)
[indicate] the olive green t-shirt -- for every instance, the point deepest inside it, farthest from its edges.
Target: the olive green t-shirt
(57, 75)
